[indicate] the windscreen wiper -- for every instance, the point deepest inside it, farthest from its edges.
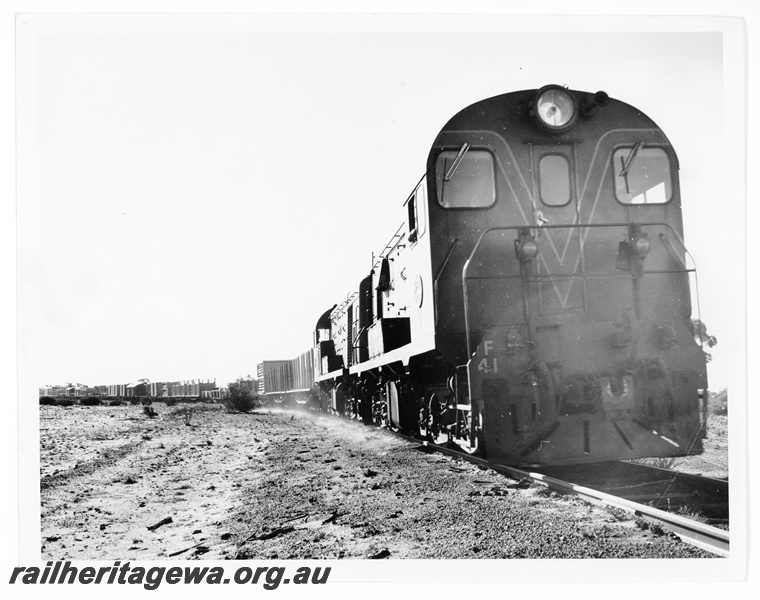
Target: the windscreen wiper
(457, 160)
(628, 163)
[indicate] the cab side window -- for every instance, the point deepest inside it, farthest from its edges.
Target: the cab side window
(411, 207)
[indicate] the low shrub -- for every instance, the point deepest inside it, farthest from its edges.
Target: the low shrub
(90, 401)
(64, 402)
(170, 401)
(691, 514)
(240, 400)
(188, 414)
(665, 462)
(116, 402)
(47, 401)
(661, 462)
(718, 403)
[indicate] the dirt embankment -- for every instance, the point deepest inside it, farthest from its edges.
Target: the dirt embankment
(116, 484)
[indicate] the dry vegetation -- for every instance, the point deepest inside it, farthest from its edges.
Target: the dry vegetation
(713, 462)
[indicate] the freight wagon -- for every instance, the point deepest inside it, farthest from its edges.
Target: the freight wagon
(288, 381)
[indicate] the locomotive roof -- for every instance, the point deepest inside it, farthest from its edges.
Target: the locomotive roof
(506, 112)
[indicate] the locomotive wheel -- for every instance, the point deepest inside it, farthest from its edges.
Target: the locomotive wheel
(341, 400)
(477, 443)
(364, 391)
(365, 408)
(425, 423)
(380, 413)
(353, 409)
(433, 429)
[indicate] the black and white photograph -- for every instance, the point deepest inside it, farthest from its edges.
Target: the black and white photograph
(348, 295)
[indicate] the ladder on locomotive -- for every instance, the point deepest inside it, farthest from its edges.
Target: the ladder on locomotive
(395, 239)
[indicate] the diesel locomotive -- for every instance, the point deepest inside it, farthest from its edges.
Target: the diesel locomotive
(535, 305)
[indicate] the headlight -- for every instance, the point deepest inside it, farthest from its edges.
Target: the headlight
(555, 108)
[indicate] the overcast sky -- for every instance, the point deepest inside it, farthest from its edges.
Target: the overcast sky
(195, 191)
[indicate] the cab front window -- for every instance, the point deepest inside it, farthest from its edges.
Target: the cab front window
(465, 178)
(554, 180)
(642, 175)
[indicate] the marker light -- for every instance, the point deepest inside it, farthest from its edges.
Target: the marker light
(640, 245)
(555, 108)
(526, 248)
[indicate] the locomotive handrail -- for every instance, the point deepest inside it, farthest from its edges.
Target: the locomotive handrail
(666, 241)
(582, 275)
(579, 274)
(440, 272)
(338, 308)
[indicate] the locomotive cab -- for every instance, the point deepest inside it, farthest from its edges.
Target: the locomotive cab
(567, 294)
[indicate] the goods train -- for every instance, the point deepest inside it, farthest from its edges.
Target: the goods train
(178, 390)
(535, 304)
(145, 390)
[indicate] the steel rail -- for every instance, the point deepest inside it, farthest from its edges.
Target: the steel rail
(695, 533)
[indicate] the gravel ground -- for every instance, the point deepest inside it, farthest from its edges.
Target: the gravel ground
(116, 484)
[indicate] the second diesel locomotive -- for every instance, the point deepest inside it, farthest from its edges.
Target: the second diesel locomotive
(535, 304)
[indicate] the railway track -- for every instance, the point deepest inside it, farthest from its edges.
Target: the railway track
(672, 491)
(618, 490)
